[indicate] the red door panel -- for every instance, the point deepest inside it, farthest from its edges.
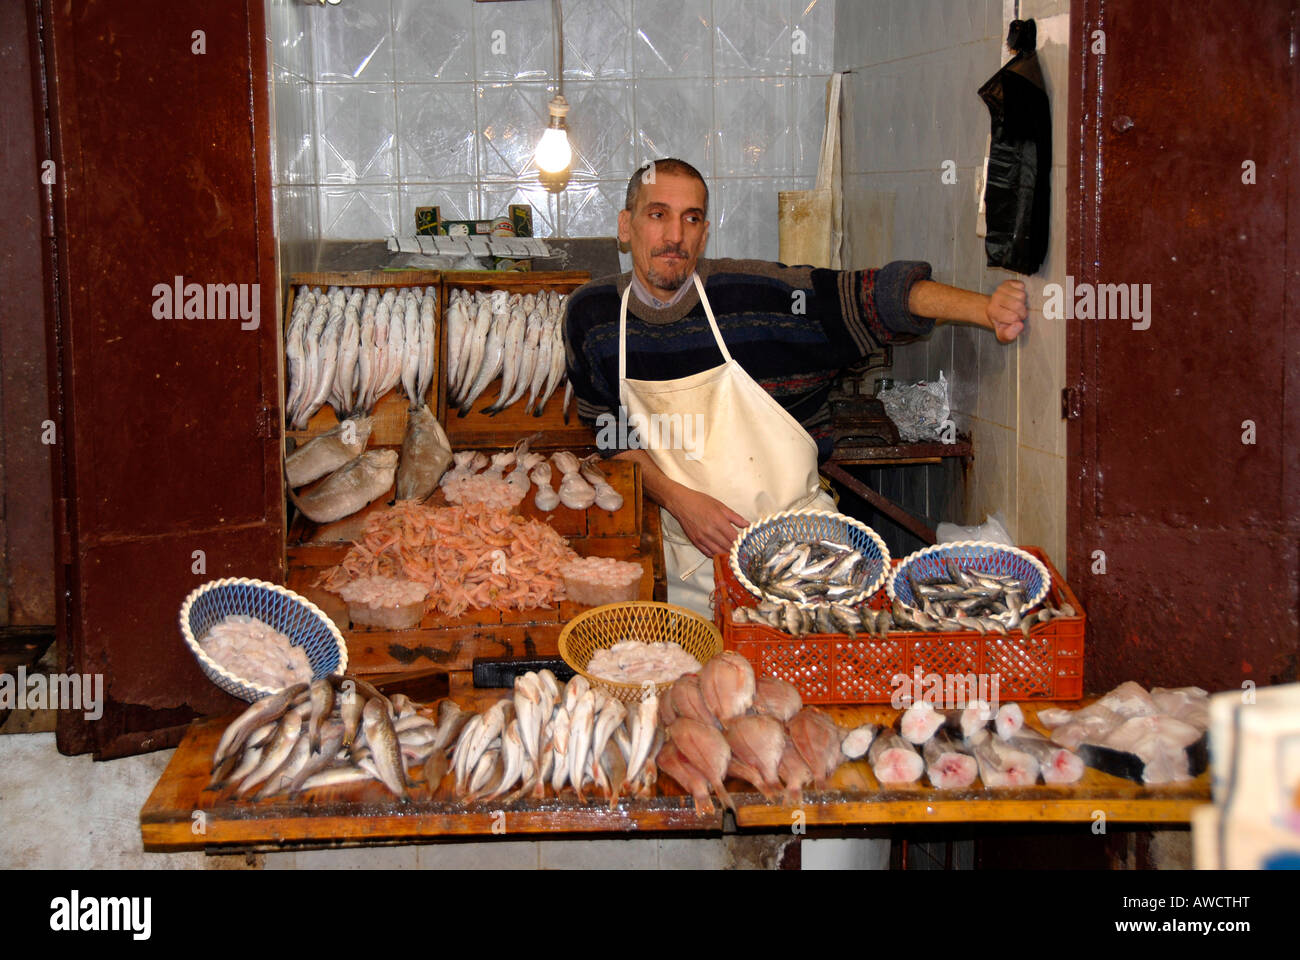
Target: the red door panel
(169, 424)
(1196, 529)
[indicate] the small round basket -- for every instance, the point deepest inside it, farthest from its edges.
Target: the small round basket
(296, 617)
(646, 620)
(758, 539)
(978, 555)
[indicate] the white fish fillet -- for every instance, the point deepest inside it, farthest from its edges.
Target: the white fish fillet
(379, 358)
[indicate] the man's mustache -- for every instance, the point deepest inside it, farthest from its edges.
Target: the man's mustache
(671, 248)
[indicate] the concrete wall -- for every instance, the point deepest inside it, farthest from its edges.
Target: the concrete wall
(910, 107)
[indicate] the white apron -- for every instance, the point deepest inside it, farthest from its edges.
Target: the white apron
(748, 452)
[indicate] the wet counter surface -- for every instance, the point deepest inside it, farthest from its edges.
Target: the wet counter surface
(181, 814)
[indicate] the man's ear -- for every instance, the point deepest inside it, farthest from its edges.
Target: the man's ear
(704, 243)
(625, 226)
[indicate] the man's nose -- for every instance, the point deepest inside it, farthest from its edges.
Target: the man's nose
(673, 231)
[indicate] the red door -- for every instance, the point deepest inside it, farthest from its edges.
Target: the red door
(1183, 461)
(168, 453)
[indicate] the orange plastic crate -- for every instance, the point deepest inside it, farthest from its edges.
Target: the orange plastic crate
(832, 668)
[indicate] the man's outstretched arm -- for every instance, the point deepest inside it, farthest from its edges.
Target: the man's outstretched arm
(1004, 312)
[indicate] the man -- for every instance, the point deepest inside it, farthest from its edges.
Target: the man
(746, 350)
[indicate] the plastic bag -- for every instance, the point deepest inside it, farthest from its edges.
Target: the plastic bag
(992, 530)
(919, 410)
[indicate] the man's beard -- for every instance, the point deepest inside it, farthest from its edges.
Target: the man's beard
(668, 280)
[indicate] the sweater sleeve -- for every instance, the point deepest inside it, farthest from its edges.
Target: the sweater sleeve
(862, 310)
(597, 400)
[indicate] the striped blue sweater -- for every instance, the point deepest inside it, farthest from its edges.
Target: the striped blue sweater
(793, 329)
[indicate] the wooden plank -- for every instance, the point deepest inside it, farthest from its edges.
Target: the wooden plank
(366, 813)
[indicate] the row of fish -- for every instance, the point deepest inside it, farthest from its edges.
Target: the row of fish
(517, 337)
(956, 746)
(358, 477)
(335, 730)
(808, 570)
(548, 735)
(801, 620)
(725, 721)
(1151, 737)
(968, 599)
(350, 346)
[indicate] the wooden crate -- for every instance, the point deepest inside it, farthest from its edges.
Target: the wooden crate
(390, 410)
(477, 430)
(452, 643)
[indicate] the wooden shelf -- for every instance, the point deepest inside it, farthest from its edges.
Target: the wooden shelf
(366, 813)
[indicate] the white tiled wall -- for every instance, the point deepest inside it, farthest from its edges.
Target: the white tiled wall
(294, 162)
(418, 102)
(910, 107)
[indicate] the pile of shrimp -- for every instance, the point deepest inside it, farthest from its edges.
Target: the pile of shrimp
(488, 488)
(468, 556)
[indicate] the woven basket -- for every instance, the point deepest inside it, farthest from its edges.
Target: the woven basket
(295, 616)
(978, 555)
(756, 539)
(646, 620)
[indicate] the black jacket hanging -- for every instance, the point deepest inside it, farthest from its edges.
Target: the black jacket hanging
(1017, 194)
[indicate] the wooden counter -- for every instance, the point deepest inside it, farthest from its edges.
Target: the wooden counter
(179, 807)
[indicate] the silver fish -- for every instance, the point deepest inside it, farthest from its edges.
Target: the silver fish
(385, 750)
(327, 452)
(349, 488)
(512, 360)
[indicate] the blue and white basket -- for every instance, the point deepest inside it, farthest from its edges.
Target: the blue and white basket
(296, 617)
(758, 539)
(978, 555)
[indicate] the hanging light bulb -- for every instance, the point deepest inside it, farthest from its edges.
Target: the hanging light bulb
(554, 155)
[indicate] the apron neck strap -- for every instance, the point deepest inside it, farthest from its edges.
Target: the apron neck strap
(622, 328)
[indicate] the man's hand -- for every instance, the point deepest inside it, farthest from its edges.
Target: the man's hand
(1007, 309)
(709, 523)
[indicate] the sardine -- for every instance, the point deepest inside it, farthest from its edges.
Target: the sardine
(385, 751)
(350, 488)
(261, 712)
(322, 705)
